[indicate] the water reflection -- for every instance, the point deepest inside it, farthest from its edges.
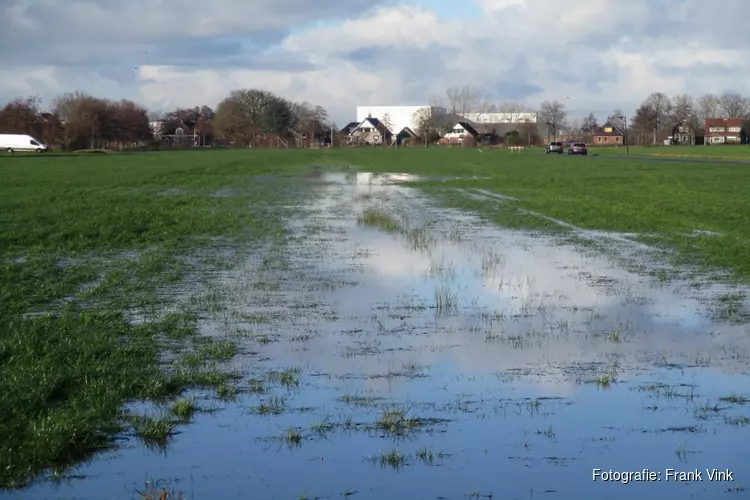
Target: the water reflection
(553, 362)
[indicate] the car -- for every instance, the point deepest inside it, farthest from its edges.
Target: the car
(555, 147)
(578, 148)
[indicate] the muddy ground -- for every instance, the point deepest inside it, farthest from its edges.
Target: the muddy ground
(398, 349)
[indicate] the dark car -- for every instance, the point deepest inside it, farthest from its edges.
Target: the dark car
(555, 147)
(578, 148)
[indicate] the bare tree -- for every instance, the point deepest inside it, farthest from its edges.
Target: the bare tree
(21, 116)
(428, 125)
(513, 108)
(554, 114)
(616, 118)
(644, 124)
(309, 120)
(464, 100)
(574, 127)
(589, 127)
(661, 107)
(444, 119)
(387, 121)
(510, 107)
(87, 121)
(708, 106)
(734, 105)
(388, 124)
(683, 108)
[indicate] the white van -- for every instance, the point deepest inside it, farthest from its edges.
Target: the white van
(20, 142)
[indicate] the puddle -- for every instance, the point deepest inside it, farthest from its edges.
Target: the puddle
(431, 355)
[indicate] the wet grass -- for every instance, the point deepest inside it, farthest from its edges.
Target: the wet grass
(381, 220)
(668, 199)
(735, 399)
(397, 421)
(394, 459)
(87, 245)
(184, 409)
(94, 278)
(275, 405)
(289, 377)
(153, 431)
(446, 299)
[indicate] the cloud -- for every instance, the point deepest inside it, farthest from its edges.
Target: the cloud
(601, 55)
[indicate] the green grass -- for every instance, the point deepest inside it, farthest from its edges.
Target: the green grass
(716, 151)
(184, 409)
(153, 431)
(380, 220)
(87, 239)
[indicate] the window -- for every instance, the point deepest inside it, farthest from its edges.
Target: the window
(734, 129)
(716, 129)
(599, 139)
(607, 130)
(34, 143)
(617, 139)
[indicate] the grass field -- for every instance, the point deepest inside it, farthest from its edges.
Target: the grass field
(89, 244)
(720, 152)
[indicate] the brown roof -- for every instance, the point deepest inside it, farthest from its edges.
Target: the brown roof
(615, 132)
(725, 122)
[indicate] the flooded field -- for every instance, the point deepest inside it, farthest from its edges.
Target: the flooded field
(394, 348)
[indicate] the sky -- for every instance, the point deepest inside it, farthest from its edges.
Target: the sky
(592, 55)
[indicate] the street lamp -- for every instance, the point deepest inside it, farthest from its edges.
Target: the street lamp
(627, 143)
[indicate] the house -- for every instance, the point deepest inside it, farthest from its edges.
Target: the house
(371, 131)
(608, 135)
(459, 132)
(398, 117)
(185, 132)
(349, 128)
(684, 134)
(494, 133)
(724, 130)
(406, 134)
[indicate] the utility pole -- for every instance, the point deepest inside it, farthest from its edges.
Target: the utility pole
(627, 142)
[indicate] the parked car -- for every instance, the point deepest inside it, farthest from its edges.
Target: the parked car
(555, 147)
(578, 148)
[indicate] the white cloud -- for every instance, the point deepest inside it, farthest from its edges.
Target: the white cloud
(591, 56)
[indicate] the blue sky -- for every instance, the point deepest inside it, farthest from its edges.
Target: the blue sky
(602, 55)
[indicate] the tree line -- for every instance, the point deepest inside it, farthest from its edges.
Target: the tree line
(659, 114)
(652, 122)
(246, 117)
(255, 117)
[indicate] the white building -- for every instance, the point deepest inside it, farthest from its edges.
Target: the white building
(403, 116)
(399, 116)
(500, 117)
